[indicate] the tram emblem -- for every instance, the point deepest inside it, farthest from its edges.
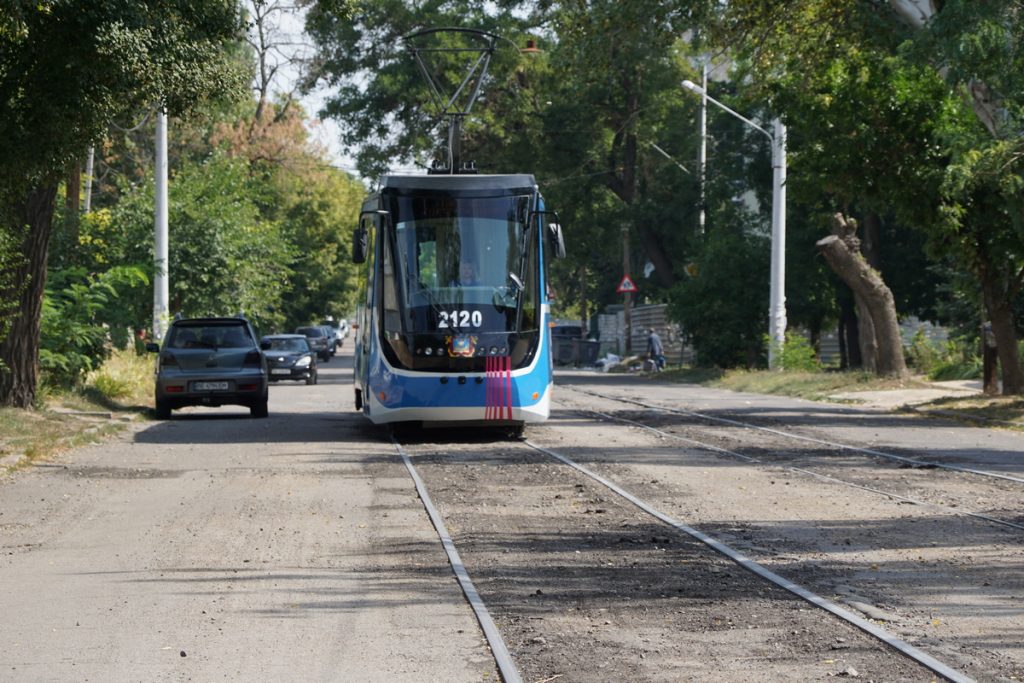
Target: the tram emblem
(462, 345)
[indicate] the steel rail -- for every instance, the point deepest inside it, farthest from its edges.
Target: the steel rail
(739, 558)
(502, 657)
(800, 437)
(835, 480)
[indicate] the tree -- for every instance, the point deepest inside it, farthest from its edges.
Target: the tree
(944, 83)
(875, 302)
(67, 70)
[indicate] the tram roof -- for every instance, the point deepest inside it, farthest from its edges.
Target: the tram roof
(459, 182)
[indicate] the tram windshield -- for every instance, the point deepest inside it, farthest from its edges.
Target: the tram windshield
(463, 262)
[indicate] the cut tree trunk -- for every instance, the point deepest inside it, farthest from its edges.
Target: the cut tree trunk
(19, 351)
(871, 294)
(868, 342)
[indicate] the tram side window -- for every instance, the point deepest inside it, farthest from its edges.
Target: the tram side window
(530, 294)
(391, 309)
(371, 255)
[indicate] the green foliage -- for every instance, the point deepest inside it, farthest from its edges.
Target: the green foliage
(796, 354)
(958, 360)
(722, 308)
(72, 336)
(922, 354)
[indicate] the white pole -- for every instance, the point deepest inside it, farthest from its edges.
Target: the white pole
(777, 291)
(702, 152)
(88, 178)
(777, 305)
(160, 285)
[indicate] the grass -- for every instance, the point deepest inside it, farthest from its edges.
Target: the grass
(818, 386)
(121, 389)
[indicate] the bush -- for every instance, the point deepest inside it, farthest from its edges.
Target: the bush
(796, 354)
(74, 327)
(922, 354)
(958, 360)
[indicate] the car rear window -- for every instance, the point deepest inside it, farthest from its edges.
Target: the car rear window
(209, 336)
(311, 331)
(289, 344)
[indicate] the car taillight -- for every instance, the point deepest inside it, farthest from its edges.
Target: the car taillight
(167, 360)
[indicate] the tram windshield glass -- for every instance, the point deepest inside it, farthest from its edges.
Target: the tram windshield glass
(462, 264)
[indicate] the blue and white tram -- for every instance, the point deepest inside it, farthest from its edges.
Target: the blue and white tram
(453, 311)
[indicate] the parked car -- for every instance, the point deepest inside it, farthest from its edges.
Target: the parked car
(332, 339)
(318, 340)
(336, 333)
(210, 362)
(289, 357)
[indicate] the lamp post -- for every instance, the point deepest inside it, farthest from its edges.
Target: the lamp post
(777, 290)
(161, 262)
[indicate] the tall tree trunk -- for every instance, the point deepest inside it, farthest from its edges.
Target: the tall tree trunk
(1000, 313)
(871, 240)
(839, 250)
(849, 335)
(19, 351)
(584, 304)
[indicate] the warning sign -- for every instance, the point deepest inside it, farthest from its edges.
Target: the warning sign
(626, 285)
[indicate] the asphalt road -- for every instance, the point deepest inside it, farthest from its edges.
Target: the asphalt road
(215, 546)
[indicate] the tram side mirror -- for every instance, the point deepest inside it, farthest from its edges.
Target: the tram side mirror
(359, 245)
(556, 240)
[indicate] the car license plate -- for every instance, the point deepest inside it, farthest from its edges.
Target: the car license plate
(209, 386)
(281, 371)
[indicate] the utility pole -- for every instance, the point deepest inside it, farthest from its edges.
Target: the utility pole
(160, 262)
(777, 289)
(627, 314)
(702, 151)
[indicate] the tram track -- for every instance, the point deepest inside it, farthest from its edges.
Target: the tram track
(477, 463)
(810, 473)
(872, 452)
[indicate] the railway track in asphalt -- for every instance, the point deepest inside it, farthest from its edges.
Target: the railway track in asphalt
(578, 575)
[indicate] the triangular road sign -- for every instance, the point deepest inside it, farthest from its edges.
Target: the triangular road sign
(626, 285)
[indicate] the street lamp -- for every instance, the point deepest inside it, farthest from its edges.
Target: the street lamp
(777, 291)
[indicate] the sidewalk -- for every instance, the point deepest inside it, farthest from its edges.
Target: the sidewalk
(890, 399)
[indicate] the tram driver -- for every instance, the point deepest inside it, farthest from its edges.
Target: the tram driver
(468, 276)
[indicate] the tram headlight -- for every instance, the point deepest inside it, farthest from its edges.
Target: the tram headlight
(440, 352)
(429, 351)
(494, 350)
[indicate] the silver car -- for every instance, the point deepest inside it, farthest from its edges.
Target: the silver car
(210, 362)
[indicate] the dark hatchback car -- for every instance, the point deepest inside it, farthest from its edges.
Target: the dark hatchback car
(318, 340)
(210, 362)
(289, 357)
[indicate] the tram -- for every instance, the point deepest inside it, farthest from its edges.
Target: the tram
(453, 307)
(453, 316)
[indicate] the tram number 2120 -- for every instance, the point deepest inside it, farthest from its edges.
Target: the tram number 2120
(459, 319)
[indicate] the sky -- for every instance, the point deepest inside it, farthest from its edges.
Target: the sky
(326, 132)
